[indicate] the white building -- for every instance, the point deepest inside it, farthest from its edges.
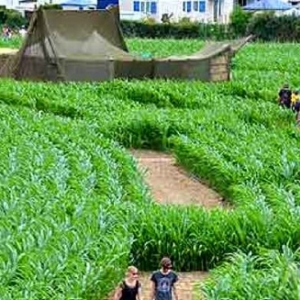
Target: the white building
(196, 10)
(200, 10)
(22, 5)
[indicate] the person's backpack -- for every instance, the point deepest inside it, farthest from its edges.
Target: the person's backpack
(285, 95)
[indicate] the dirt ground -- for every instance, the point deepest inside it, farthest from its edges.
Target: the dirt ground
(186, 286)
(170, 184)
(8, 51)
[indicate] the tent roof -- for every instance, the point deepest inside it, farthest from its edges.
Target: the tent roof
(268, 5)
(80, 26)
(79, 3)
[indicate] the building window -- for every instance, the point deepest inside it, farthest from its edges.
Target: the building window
(241, 2)
(153, 9)
(188, 6)
(145, 6)
(220, 7)
(136, 5)
(195, 5)
(202, 7)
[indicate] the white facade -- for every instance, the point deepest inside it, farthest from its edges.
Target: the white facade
(195, 10)
(201, 10)
(30, 6)
(22, 6)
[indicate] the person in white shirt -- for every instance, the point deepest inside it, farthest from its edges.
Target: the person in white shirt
(23, 32)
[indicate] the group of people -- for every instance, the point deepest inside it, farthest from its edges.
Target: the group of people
(290, 99)
(7, 32)
(163, 284)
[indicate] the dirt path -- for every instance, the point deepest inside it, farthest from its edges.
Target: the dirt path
(8, 51)
(186, 286)
(170, 184)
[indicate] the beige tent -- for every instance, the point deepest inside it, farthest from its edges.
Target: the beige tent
(89, 46)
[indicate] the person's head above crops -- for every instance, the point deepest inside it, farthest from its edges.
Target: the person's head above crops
(166, 263)
(132, 272)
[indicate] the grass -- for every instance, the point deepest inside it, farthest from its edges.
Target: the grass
(64, 162)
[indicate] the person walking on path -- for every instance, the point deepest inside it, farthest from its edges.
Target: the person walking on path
(164, 282)
(130, 287)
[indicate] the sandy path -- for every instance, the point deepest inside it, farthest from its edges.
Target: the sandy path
(186, 286)
(8, 51)
(172, 185)
(169, 184)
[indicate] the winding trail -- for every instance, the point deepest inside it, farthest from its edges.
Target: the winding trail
(170, 184)
(186, 285)
(8, 51)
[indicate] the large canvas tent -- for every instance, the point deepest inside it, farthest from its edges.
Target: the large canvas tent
(68, 45)
(89, 46)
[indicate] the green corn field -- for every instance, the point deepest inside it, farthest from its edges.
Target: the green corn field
(75, 211)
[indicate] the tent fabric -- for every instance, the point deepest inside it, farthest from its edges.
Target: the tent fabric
(236, 44)
(89, 46)
(57, 39)
(268, 5)
(79, 3)
(79, 25)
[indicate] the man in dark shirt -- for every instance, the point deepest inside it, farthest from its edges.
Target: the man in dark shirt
(285, 96)
(163, 282)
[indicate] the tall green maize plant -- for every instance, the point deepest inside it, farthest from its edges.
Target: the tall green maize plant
(63, 195)
(271, 275)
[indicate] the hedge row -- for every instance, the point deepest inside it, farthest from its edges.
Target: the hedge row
(176, 30)
(268, 27)
(11, 18)
(265, 26)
